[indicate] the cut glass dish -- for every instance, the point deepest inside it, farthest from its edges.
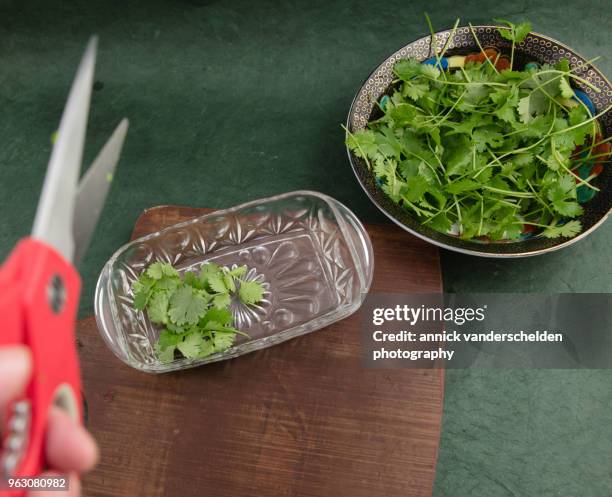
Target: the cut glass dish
(310, 252)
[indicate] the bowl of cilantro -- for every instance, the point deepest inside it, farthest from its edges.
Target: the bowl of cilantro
(488, 140)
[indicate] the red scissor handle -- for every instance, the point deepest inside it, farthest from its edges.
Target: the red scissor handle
(39, 295)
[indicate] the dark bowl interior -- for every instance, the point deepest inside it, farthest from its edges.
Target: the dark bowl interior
(536, 48)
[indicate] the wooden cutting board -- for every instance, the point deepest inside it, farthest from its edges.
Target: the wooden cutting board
(300, 419)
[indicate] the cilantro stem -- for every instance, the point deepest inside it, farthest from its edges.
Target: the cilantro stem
(450, 111)
(466, 83)
(481, 49)
(417, 210)
(538, 198)
(502, 201)
(497, 57)
(576, 126)
(592, 176)
(495, 158)
(233, 330)
(433, 169)
(507, 192)
(433, 44)
(458, 209)
(561, 74)
(533, 212)
(533, 224)
(590, 157)
(564, 167)
(552, 99)
(577, 159)
(601, 142)
(450, 37)
(523, 149)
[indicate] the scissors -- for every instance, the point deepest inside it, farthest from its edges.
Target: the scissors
(40, 287)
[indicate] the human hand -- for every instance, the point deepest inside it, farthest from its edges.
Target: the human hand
(70, 448)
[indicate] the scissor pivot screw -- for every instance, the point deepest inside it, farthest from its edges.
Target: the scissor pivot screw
(56, 294)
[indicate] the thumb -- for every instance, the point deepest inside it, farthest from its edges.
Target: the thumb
(15, 370)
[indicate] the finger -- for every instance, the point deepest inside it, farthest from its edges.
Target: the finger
(70, 447)
(15, 371)
(74, 486)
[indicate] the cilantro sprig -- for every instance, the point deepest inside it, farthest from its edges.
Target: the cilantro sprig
(194, 310)
(516, 33)
(478, 151)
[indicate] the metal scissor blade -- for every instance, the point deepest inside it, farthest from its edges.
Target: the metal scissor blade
(93, 189)
(54, 216)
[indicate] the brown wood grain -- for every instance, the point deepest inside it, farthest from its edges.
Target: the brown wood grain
(301, 419)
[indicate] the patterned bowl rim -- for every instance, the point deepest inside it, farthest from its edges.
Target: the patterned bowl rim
(448, 246)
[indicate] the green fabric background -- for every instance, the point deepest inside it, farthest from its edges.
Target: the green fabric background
(231, 100)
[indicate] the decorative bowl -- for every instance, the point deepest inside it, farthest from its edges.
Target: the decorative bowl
(537, 48)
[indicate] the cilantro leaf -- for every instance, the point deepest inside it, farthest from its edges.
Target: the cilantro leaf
(487, 136)
(406, 69)
(222, 300)
(440, 222)
(521, 31)
(223, 341)
(238, 272)
(563, 65)
(228, 279)
(190, 278)
(515, 32)
(507, 34)
(222, 316)
(207, 271)
(167, 284)
(415, 90)
(158, 270)
(250, 292)
(562, 194)
(191, 346)
(402, 114)
(158, 308)
(414, 189)
(569, 230)
(536, 103)
(463, 185)
(362, 143)
(166, 345)
(568, 208)
(430, 71)
(186, 306)
(217, 283)
(142, 289)
(506, 113)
